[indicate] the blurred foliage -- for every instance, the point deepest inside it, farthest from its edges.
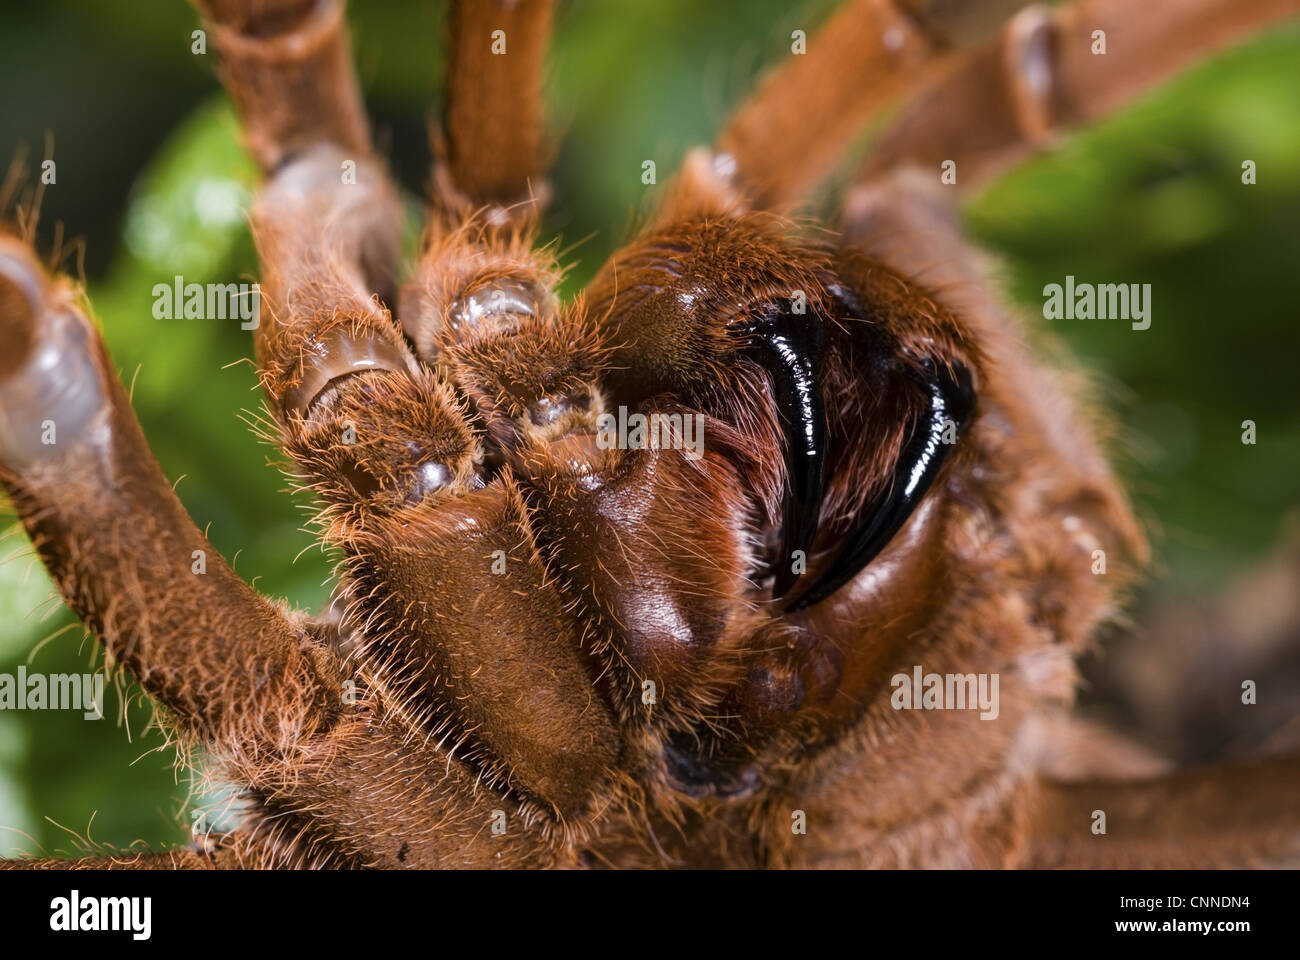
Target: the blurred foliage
(150, 173)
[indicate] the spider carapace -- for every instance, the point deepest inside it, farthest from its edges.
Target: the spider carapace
(629, 580)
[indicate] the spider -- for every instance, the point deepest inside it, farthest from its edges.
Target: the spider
(631, 581)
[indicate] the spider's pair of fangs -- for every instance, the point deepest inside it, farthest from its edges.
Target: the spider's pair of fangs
(789, 347)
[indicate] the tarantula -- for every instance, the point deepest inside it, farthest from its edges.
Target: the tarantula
(556, 645)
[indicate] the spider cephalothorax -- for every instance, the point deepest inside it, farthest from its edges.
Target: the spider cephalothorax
(627, 580)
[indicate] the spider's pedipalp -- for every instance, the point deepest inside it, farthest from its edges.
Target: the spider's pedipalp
(384, 440)
(474, 280)
(647, 543)
(469, 629)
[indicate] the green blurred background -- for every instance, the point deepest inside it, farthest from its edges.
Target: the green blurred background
(150, 175)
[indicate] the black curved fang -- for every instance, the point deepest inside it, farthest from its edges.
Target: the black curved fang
(951, 397)
(788, 345)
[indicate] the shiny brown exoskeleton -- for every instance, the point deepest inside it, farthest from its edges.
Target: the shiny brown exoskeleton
(554, 642)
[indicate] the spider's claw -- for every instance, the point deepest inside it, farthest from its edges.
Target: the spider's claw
(789, 347)
(950, 402)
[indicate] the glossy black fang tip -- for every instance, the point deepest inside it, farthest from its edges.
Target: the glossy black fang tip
(951, 397)
(788, 345)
